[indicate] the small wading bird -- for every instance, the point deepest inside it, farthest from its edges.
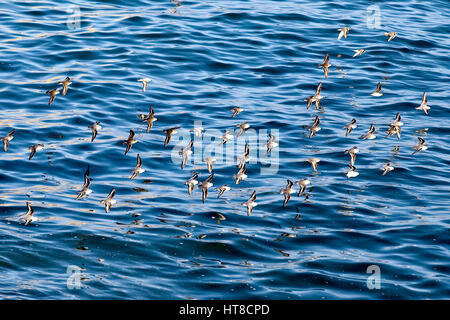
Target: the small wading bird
(205, 185)
(95, 128)
(227, 136)
(325, 65)
(242, 128)
(343, 32)
(370, 135)
(7, 139)
(29, 215)
(397, 121)
(377, 92)
(138, 169)
(150, 118)
(391, 35)
(315, 98)
(315, 127)
(287, 192)
(222, 189)
(185, 153)
(240, 176)
(352, 152)
(65, 85)
(34, 148)
(130, 141)
(250, 204)
(302, 183)
(52, 94)
(423, 106)
(358, 52)
(169, 132)
(198, 131)
(191, 183)
(145, 82)
(352, 125)
(236, 111)
(209, 163)
(85, 191)
(245, 157)
(420, 146)
(387, 168)
(393, 129)
(109, 201)
(271, 144)
(313, 162)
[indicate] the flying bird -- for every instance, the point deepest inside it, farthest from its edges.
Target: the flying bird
(145, 82)
(65, 85)
(34, 148)
(352, 152)
(169, 133)
(352, 125)
(391, 35)
(130, 141)
(343, 32)
(423, 106)
(184, 153)
(85, 189)
(209, 163)
(52, 94)
(387, 168)
(358, 52)
(394, 129)
(250, 204)
(287, 192)
(150, 118)
(313, 162)
(138, 169)
(242, 128)
(241, 174)
(198, 131)
(315, 127)
(377, 92)
(370, 134)
(302, 183)
(227, 136)
(271, 144)
(191, 183)
(109, 201)
(236, 110)
(420, 146)
(325, 65)
(95, 128)
(29, 215)
(7, 139)
(222, 189)
(205, 185)
(245, 156)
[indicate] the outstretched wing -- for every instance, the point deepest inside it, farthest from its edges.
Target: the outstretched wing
(253, 196)
(111, 194)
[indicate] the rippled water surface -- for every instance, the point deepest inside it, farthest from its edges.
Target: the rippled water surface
(204, 58)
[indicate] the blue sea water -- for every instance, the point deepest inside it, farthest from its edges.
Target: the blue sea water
(204, 58)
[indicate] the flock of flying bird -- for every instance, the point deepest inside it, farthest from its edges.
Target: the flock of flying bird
(394, 128)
